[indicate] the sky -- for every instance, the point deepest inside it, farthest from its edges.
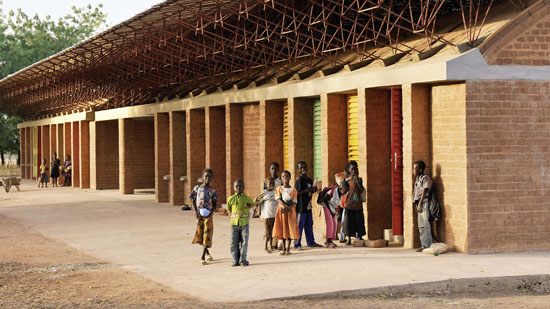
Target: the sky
(117, 10)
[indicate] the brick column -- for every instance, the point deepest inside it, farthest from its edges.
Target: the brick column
(84, 154)
(22, 155)
(300, 127)
(104, 169)
(60, 150)
(334, 135)
(416, 146)
(125, 157)
(45, 145)
(178, 157)
(234, 144)
(215, 148)
(67, 128)
(162, 156)
(271, 134)
(29, 153)
(374, 133)
(53, 140)
(76, 153)
(195, 146)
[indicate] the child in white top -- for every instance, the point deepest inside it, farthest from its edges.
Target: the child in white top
(268, 205)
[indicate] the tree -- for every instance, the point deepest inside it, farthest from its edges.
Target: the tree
(25, 40)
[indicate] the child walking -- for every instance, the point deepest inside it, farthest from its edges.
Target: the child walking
(305, 188)
(238, 206)
(268, 205)
(285, 227)
(204, 199)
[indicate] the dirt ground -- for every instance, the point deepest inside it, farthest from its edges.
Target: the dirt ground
(37, 272)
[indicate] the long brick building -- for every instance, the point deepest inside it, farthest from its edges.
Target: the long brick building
(235, 85)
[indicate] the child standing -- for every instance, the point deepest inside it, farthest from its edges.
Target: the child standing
(238, 206)
(330, 198)
(274, 172)
(268, 205)
(305, 188)
(285, 227)
(43, 174)
(421, 197)
(354, 219)
(204, 199)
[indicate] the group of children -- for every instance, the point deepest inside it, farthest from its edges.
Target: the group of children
(55, 170)
(285, 209)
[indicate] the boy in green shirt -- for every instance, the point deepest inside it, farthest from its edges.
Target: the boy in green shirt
(238, 206)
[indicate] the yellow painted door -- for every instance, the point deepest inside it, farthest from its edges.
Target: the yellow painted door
(286, 159)
(353, 130)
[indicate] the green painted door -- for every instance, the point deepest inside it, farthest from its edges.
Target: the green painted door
(317, 148)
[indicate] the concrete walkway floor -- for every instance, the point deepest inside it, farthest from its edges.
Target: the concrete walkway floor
(154, 240)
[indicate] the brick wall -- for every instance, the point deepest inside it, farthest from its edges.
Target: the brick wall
(524, 42)
(195, 147)
(508, 156)
(29, 153)
(448, 166)
(271, 135)
(162, 156)
(378, 214)
(84, 154)
(125, 156)
(22, 151)
(76, 153)
(334, 136)
(416, 146)
(300, 141)
(53, 140)
(104, 159)
(67, 128)
(178, 158)
(234, 144)
(215, 148)
(252, 170)
(46, 147)
(60, 150)
(143, 153)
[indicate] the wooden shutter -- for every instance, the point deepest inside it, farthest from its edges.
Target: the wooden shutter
(286, 159)
(317, 150)
(353, 130)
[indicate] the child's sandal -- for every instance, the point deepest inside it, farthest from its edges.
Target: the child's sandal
(282, 253)
(209, 258)
(203, 262)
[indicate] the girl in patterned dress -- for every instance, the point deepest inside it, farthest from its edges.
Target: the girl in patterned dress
(204, 199)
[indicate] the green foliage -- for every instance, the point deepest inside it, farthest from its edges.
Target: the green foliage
(25, 40)
(9, 135)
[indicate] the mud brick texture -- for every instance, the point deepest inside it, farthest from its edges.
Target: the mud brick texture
(104, 153)
(215, 148)
(508, 138)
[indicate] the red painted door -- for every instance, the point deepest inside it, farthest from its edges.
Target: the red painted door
(397, 161)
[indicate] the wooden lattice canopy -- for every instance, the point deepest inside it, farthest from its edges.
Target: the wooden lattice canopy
(188, 47)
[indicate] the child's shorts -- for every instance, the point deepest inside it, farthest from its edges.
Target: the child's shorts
(44, 178)
(269, 222)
